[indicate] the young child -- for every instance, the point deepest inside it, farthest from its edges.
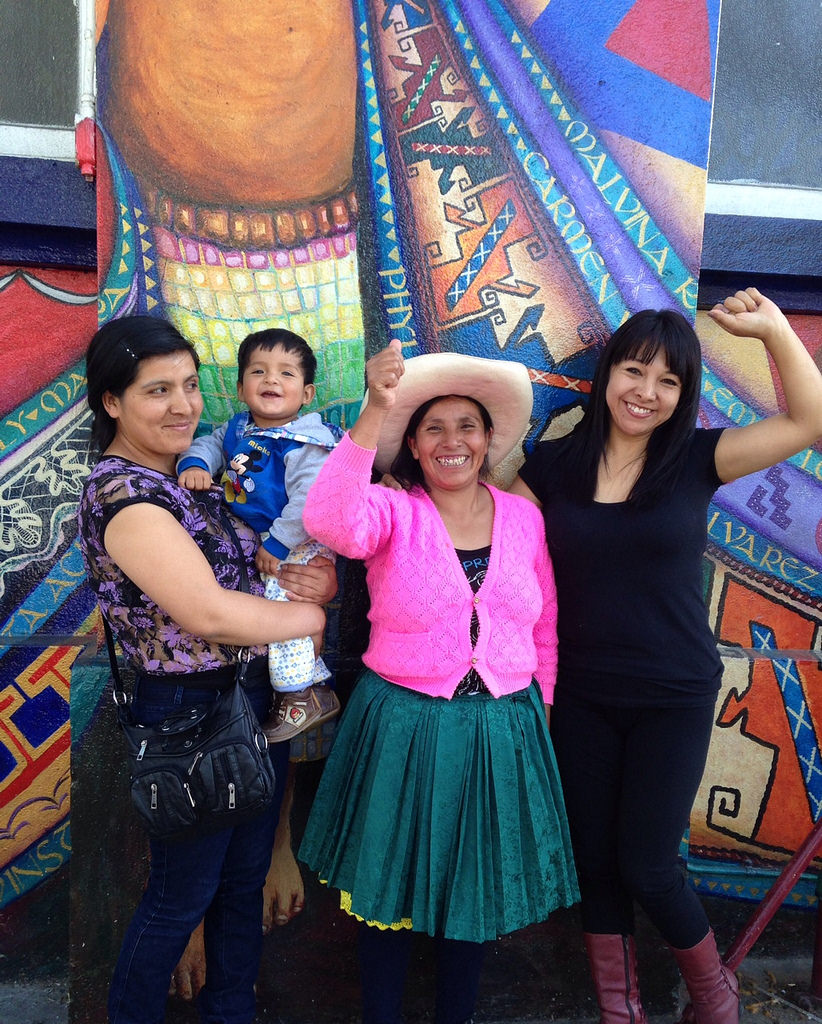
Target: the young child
(269, 457)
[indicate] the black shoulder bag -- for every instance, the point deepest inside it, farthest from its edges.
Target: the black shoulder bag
(203, 768)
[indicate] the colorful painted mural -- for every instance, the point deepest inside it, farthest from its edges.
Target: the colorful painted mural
(507, 179)
(762, 789)
(524, 178)
(234, 210)
(45, 319)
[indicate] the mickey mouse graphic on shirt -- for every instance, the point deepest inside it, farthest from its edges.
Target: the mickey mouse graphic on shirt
(236, 481)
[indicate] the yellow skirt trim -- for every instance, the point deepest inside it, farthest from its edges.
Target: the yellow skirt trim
(345, 904)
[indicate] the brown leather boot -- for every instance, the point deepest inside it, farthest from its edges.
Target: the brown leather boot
(613, 967)
(713, 989)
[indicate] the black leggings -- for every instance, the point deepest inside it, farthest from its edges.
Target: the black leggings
(384, 954)
(630, 776)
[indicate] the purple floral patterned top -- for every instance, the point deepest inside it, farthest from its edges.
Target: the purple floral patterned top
(151, 640)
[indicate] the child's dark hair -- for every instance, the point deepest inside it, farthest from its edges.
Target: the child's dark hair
(113, 357)
(277, 337)
(641, 337)
(405, 468)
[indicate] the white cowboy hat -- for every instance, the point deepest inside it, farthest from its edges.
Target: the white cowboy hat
(503, 387)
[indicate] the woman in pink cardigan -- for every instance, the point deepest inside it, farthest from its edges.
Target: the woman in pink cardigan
(439, 809)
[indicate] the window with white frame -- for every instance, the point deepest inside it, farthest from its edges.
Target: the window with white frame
(38, 78)
(764, 159)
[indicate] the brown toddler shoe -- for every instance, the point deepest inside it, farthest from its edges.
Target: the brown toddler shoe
(298, 710)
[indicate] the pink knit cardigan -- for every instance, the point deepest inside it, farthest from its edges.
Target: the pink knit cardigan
(421, 601)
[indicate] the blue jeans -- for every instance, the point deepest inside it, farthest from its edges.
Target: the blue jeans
(217, 878)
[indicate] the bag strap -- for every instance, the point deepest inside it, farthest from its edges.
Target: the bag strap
(243, 654)
(121, 698)
(244, 587)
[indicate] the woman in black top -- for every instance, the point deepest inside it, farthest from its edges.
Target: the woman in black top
(625, 498)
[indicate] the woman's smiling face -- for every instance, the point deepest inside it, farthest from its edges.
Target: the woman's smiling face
(157, 414)
(451, 443)
(641, 396)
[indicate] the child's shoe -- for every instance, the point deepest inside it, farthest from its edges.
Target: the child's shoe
(298, 710)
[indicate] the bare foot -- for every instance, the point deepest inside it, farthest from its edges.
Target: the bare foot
(283, 895)
(190, 973)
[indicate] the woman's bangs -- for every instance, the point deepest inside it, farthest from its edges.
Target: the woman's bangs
(643, 350)
(668, 344)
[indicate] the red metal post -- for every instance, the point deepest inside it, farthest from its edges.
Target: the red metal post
(773, 901)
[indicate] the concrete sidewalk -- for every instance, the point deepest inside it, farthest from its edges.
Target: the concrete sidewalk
(772, 991)
(777, 990)
(45, 1002)
(309, 971)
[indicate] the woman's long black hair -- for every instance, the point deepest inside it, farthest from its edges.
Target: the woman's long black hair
(112, 359)
(641, 337)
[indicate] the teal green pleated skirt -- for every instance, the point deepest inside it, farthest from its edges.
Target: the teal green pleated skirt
(445, 816)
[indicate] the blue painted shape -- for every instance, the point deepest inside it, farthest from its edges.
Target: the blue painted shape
(41, 716)
(616, 94)
(481, 254)
(415, 13)
(67, 618)
(763, 498)
(8, 762)
(800, 719)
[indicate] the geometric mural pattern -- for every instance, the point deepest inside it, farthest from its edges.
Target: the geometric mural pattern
(47, 318)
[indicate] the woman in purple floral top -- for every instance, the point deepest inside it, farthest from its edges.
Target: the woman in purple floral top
(166, 574)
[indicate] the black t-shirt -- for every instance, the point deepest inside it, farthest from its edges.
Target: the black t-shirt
(632, 622)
